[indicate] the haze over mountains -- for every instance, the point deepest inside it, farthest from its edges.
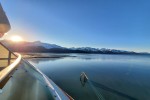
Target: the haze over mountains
(40, 47)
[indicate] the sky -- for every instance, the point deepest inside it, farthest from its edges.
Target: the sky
(118, 24)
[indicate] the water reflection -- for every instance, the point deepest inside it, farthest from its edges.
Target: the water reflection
(116, 77)
(101, 86)
(40, 60)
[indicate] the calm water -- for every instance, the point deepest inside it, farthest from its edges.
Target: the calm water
(112, 77)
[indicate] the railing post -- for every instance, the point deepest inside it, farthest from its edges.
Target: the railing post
(9, 57)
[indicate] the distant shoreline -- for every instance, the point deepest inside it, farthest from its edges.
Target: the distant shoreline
(40, 55)
(61, 55)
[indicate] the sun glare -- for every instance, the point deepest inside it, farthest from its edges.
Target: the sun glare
(16, 38)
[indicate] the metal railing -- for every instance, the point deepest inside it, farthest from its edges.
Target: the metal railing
(5, 72)
(6, 54)
(8, 67)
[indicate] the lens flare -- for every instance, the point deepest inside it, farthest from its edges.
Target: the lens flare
(16, 38)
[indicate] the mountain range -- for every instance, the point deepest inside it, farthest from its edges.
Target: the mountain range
(40, 47)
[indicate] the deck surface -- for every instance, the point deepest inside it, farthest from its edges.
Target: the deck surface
(24, 85)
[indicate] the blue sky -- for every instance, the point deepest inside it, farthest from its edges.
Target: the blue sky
(119, 24)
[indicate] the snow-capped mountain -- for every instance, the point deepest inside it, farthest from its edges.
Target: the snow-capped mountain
(45, 45)
(85, 49)
(38, 46)
(102, 50)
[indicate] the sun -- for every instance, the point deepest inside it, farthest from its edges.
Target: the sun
(16, 38)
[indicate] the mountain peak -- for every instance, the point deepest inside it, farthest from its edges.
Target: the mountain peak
(37, 42)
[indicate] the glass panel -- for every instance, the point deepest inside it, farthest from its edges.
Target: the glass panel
(6, 57)
(4, 63)
(13, 56)
(3, 52)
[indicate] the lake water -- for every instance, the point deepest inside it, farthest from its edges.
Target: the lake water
(111, 77)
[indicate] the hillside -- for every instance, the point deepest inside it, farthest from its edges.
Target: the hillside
(40, 47)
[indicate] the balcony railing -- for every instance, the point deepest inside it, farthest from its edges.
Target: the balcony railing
(8, 62)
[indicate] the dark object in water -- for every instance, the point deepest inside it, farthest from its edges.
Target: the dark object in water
(83, 78)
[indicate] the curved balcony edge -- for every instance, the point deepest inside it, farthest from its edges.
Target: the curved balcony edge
(5, 72)
(56, 91)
